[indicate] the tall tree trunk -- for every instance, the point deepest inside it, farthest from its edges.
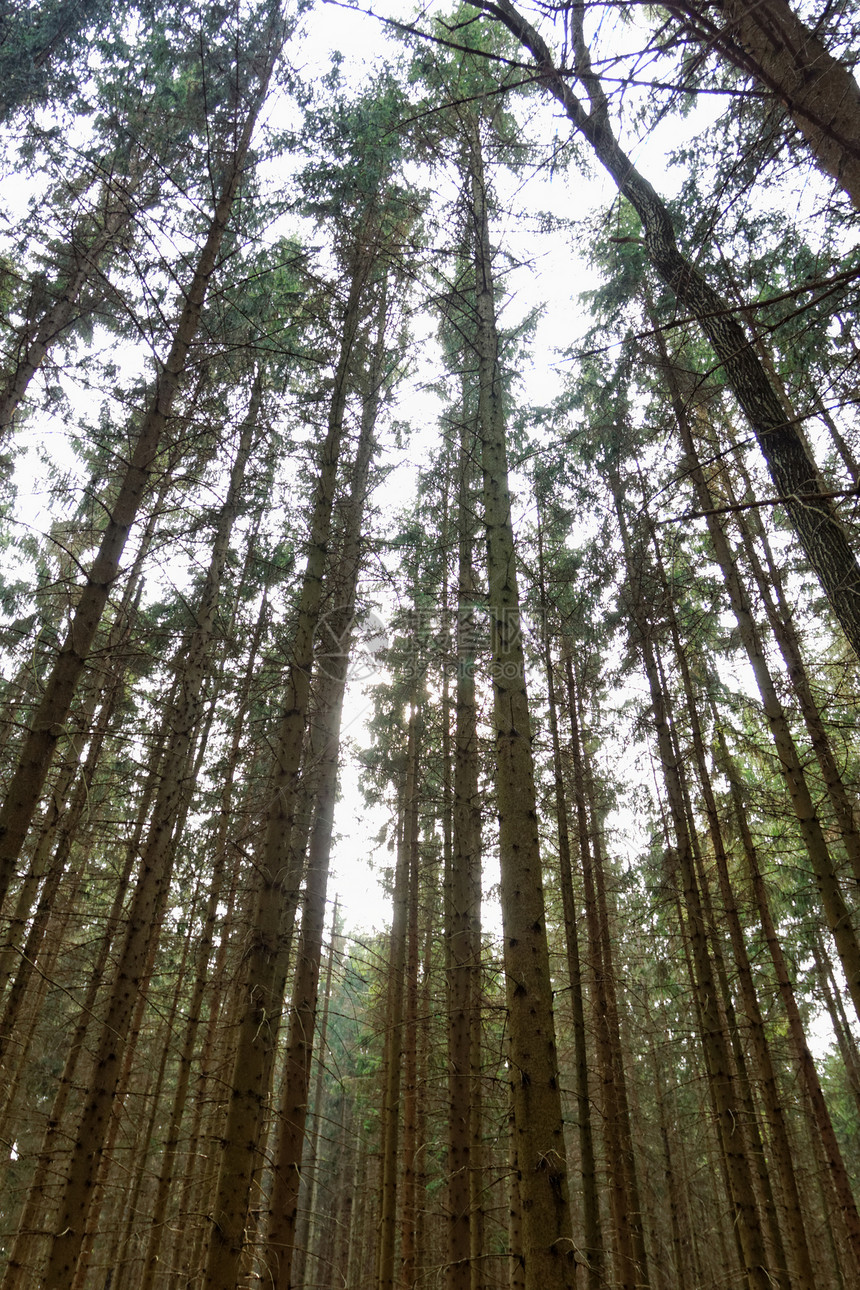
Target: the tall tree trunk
(278, 872)
(462, 966)
(803, 1057)
(220, 853)
(803, 1277)
(408, 1222)
(548, 1247)
(600, 957)
(49, 721)
(815, 520)
(713, 1037)
(593, 1240)
(833, 901)
(324, 749)
(390, 1115)
(150, 895)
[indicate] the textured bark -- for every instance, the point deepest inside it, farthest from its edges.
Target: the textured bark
(803, 1057)
(466, 861)
(548, 1246)
(627, 1183)
(815, 520)
(409, 1150)
(770, 586)
(832, 899)
(324, 747)
(308, 1228)
(820, 94)
(803, 1277)
(19, 1270)
(390, 1114)
(220, 852)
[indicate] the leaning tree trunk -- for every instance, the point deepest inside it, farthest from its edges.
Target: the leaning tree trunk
(714, 1045)
(820, 94)
(815, 520)
(805, 1062)
(49, 721)
(803, 1277)
(836, 910)
(87, 253)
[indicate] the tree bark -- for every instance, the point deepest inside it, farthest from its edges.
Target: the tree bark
(548, 1246)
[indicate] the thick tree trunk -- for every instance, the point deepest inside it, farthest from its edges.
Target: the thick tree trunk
(820, 94)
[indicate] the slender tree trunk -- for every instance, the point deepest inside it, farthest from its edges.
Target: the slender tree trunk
(803, 1057)
(772, 591)
(714, 1044)
(130, 983)
(324, 747)
(308, 1226)
(278, 875)
(835, 907)
(593, 1240)
(548, 1247)
(599, 954)
(87, 252)
(803, 1277)
(49, 721)
(465, 862)
(409, 1053)
(390, 1125)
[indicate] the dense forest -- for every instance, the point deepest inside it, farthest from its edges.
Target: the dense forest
(430, 449)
